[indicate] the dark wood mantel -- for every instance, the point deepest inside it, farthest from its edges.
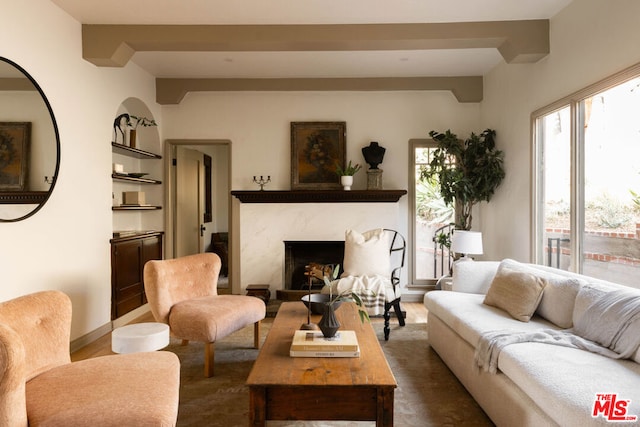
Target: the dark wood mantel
(320, 196)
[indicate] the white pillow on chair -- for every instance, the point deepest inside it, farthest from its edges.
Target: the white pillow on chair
(366, 254)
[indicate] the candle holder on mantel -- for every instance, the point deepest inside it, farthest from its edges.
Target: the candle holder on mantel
(262, 182)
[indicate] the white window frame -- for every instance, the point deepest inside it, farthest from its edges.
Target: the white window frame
(576, 106)
(414, 143)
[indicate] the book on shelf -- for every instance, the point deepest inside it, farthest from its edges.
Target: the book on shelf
(314, 344)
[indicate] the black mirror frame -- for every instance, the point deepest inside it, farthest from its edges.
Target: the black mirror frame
(57, 137)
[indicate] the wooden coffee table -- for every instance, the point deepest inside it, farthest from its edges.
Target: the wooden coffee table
(310, 388)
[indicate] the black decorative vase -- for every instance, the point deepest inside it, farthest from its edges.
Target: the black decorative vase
(329, 324)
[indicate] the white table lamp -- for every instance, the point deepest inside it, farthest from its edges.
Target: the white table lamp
(466, 243)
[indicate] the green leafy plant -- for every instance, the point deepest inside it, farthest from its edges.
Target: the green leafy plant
(468, 171)
(350, 170)
(443, 239)
(347, 295)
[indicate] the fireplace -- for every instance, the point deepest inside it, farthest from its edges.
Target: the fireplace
(298, 254)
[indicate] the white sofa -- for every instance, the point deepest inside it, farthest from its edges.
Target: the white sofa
(536, 384)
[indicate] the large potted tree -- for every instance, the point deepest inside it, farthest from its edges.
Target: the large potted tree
(467, 172)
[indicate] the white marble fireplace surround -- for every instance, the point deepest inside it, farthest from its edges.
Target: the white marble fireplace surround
(263, 228)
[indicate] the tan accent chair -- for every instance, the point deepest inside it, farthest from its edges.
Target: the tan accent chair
(39, 385)
(183, 293)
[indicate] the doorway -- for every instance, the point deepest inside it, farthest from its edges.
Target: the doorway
(198, 199)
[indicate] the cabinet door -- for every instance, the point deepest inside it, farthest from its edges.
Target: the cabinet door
(151, 249)
(126, 276)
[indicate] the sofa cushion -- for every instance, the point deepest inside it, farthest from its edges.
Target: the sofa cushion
(473, 276)
(558, 299)
(470, 318)
(516, 292)
(564, 381)
(366, 254)
(559, 295)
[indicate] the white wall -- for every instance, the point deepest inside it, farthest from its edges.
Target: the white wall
(590, 40)
(65, 245)
(258, 126)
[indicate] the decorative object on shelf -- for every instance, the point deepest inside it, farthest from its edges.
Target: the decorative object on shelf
(373, 155)
(262, 182)
(15, 139)
(347, 182)
(374, 179)
(133, 198)
(119, 124)
(468, 172)
(124, 121)
(137, 174)
(315, 148)
(346, 174)
(139, 121)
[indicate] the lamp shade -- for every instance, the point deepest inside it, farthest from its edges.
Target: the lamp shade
(466, 242)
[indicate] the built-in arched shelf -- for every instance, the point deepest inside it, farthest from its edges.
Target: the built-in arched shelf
(141, 172)
(137, 228)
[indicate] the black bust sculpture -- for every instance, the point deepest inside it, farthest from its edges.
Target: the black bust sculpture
(373, 154)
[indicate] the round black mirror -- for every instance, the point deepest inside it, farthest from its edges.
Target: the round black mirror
(29, 144)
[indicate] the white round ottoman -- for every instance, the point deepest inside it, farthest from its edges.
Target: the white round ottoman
(139, 337)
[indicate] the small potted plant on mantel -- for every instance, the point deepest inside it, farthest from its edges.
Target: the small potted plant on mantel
(346, 174)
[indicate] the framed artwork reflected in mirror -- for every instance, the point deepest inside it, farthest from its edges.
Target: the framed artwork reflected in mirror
(15, 138)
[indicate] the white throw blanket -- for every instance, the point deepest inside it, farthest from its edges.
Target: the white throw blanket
(610, 327)
(374, 291)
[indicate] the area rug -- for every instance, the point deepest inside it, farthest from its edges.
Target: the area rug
(428, 394)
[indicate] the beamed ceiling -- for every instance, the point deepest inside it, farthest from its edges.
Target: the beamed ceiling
(310, 45)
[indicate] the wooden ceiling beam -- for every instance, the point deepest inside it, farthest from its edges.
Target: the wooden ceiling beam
(465, 89)
(114, 45)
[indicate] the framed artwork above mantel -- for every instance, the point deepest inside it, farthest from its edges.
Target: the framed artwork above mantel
(316, 149)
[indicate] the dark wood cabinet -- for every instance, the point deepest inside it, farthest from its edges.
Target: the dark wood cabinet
(128, 256)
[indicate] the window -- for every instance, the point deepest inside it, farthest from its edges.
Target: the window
(429, 215)
(587, 181)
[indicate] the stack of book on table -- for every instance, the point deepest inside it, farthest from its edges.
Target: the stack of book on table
(314, 344)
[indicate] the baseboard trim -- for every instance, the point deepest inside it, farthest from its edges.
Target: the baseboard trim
(130, 316)
(90, 337)
(87, 339)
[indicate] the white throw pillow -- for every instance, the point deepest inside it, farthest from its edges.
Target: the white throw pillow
(473, 277)
(366, 254)
(558, 300)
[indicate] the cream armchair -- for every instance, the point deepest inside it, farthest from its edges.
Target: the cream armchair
(39, 385)
(183, 293)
